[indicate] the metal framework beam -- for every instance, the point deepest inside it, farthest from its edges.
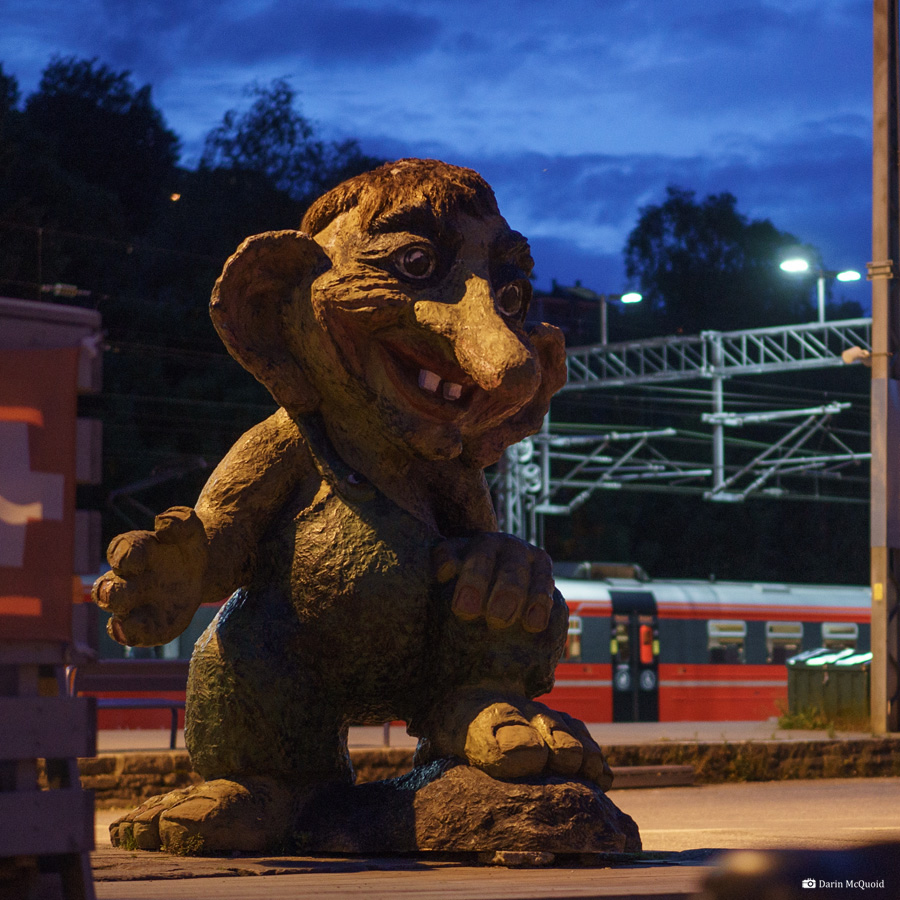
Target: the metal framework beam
(716, 354)
(556, 472)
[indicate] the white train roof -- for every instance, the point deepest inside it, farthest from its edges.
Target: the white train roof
(685, 598)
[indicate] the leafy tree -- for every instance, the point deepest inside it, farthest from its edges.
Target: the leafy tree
(104, 131)
(9, 94)
(273, 138)
(703, 265)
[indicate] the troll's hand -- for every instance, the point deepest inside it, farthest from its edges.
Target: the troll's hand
(155, 585)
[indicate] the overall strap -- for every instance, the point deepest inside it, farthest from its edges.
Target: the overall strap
(346, 481)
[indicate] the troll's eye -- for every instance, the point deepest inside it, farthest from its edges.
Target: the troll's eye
(417, 263)
(511, 299)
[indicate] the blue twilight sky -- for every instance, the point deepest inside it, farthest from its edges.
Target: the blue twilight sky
(578, 112)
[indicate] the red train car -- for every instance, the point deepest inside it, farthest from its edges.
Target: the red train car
(642, 650)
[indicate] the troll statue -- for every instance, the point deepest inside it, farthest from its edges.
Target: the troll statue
(353, 530)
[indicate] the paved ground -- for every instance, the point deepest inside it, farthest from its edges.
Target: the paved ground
(822, 814)
(431, 883)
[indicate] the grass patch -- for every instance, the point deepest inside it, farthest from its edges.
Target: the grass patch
(814, 719)
(127, 841)
(809, 719)
(189, 845)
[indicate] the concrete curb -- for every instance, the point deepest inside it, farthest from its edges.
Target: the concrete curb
(126, 779)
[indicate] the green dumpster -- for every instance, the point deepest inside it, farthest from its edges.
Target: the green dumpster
(836, 683)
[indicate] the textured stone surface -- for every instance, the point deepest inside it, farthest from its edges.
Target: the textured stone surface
(458, 808)
(126, 779)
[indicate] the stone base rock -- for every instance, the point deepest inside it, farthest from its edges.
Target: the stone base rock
(447, 806)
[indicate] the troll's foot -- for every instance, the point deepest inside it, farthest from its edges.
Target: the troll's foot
(220, 816)
(508, 736)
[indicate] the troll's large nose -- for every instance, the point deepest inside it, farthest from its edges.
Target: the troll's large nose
(490, 352)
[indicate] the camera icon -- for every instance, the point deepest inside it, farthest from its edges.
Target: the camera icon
(808, 883)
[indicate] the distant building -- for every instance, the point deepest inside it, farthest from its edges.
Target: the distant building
(575, 310)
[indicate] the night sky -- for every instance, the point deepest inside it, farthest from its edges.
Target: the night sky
(578, 112)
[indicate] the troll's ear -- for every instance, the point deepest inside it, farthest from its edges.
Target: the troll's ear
(550, 348)
(252, 306)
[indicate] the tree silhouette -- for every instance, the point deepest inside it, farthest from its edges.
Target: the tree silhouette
(274, 139)
(9, 94)
(703, 265)
(105, 131)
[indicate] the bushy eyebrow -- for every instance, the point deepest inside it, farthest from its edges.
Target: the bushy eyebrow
(417, 219)
(514, 247)
(509, 246)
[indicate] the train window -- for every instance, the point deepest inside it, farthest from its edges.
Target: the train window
(783, 640)
(646, 642)
(573, 640)
(620, 644)
(840, 635)
(726, 640)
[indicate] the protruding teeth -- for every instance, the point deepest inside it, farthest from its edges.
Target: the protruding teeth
(452, 391)
(428, 381)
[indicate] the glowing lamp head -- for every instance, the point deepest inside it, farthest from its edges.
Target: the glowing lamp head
(632, 297)
(795, 266)
(849, 275)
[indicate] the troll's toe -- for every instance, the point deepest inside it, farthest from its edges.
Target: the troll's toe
(502, 743)
(566, 751)
(139, 829)
(570, 742)
(224, 816)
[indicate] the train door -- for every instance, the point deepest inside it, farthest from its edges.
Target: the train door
(634, 647)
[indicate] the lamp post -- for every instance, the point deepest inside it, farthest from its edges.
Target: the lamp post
(885, 504)
(630, 297)
(579, 292)
(798, 265)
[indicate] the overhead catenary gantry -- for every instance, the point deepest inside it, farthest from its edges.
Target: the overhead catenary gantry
(560, 468)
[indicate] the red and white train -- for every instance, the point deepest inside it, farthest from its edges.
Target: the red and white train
(642, 650)
(646, 650)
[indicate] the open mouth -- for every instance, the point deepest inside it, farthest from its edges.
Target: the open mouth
(431, 384)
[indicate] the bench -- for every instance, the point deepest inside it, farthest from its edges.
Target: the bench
(132, 675)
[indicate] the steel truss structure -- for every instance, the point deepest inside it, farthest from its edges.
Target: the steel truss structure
(716, 354)
(790, 453)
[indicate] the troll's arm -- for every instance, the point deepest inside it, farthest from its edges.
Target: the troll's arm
(159, 578)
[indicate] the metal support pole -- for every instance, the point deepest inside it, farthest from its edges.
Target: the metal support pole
(885, 501)
(603, 319)
(820, 294)
(718, 430)
(544, 496)
(511, 507)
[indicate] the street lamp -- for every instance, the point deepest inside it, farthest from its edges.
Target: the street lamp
(579, 292)
(798, 265)
(630, 297)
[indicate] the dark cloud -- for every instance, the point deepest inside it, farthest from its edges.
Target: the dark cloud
(161, 38)
(323, 33)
